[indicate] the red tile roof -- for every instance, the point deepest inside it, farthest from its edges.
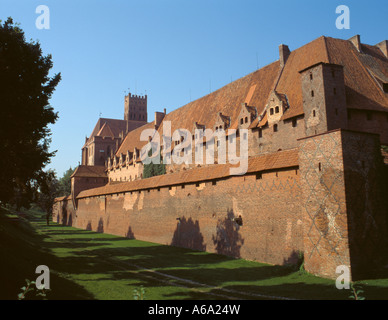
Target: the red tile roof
(277, 160)
(89, 171)
(361, 70)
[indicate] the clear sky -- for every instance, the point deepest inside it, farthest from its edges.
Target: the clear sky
(173, 50)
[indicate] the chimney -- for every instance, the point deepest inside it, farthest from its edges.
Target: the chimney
(383, 46)
(159, 116)
(356, 42)
(284, 53)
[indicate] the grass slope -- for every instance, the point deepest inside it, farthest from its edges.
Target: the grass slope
(90, 265)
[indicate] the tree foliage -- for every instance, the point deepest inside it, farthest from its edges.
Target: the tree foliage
(64, 183)
(25, 113)
(152, 169)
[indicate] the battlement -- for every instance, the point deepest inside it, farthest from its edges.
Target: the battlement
(135, 107)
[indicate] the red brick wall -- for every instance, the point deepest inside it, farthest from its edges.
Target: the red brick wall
(344, 206)
(271, 229)
(334, 209)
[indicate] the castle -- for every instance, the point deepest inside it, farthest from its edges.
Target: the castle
(316, 126)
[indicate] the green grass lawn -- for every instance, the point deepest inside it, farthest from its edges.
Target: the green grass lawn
(90, 265)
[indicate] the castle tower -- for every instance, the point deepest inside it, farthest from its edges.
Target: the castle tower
(324, 100)
(135, 108)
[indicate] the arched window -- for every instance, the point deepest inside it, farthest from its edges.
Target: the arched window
(271, 111)
(246, 119)
(277, 109)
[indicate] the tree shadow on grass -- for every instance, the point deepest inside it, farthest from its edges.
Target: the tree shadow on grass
(25, 249)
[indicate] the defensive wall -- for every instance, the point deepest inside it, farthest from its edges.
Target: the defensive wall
(325, 198)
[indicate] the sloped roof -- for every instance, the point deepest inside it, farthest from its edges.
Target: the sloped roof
(277, 160)
(360, 72)
(113, 127)
(89, 171)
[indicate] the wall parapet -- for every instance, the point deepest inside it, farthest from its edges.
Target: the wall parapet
(273, 161)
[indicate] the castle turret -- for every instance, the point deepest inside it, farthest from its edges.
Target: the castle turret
(324, 100)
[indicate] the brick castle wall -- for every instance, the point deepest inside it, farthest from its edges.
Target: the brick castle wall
(200, 216)
(332, 208)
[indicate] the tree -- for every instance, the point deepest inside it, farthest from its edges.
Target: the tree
(25, 113)
(48, 191)
(152, 169)
(64, 188)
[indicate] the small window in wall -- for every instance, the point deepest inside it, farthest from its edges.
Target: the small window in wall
(294, 123)
(311, 76)
(319, 166)
(214, 183)
(312, 93)
(242, 121)
(261, 131)
(271, 111)
(275, 128)
(314, 113)
(246, 119)
(277, 109)
(259, 176)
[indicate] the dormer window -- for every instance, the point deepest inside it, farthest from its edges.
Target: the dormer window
(271, 111)
(246, 119)
(242, 121)
(277, 109)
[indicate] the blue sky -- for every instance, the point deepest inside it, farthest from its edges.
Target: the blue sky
(175, 51)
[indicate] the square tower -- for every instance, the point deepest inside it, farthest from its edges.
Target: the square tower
(135, 108)
(324, 98)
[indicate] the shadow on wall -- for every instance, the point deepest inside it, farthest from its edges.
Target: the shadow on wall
(89, 226)
(67, 217)
(228, 241)
(368, 221)
(187, 235)
(100, 227)
(130, 233)
(296, 260)
(64, 213)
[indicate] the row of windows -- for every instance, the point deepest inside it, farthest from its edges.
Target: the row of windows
(274, 110)
(139, 116)
(275, 127)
